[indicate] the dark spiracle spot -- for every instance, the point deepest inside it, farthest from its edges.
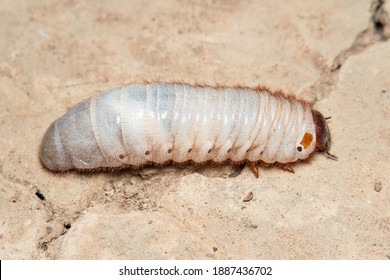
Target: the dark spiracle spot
(261, 152)
(229, 150)
(169, 151)
(247, 151)
(121, 156)
(209, 151)
(68, 225)
(299, 149)
(147, 152)
(189, 151)
(40, 195)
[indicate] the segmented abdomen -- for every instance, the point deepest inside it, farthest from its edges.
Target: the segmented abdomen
(159, 122)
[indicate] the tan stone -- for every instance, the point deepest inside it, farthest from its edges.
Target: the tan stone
(54, 54)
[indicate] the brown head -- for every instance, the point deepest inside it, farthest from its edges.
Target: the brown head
(322, 134)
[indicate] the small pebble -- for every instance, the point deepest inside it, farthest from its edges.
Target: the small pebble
(378, 186)
(49, 229)
(248, 197)
(135, 180)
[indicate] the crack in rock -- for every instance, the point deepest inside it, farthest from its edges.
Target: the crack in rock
(58, 222)
(373, 34)
(378, 30)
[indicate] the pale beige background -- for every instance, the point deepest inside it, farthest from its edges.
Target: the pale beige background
(54, 54)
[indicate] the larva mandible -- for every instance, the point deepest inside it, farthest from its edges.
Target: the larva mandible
(161, 122)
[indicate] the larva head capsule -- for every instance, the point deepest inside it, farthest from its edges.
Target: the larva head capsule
(322, 134)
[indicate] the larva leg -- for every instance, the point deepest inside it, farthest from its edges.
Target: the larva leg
(286, 167)
(254, 168)
(329, 155)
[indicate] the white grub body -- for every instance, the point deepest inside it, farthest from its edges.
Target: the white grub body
(161, 122)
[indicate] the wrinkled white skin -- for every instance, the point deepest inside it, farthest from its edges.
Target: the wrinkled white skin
(159, 122)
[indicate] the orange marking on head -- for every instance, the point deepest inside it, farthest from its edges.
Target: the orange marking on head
(306, 140)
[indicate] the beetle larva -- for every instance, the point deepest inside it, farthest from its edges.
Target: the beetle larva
(161, 122)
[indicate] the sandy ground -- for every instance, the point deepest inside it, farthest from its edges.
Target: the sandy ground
(54, 54)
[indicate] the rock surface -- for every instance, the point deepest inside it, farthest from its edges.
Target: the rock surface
(55, 54)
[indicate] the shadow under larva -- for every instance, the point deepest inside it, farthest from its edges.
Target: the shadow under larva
(161, 123)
